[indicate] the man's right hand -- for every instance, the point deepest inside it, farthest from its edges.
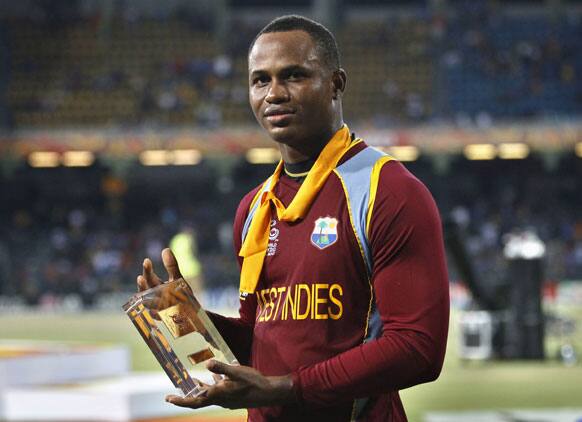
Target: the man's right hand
(148, 278)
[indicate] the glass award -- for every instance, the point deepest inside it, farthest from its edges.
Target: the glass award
(178, 332)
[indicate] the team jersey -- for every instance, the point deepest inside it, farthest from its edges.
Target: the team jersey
(351, 334)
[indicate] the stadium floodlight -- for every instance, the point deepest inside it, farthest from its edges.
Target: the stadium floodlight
(44, 159)
(404, 152)
(186, 157)
(156, 157)
(513, 151)
(480, 151)
(78, 158)
(578, 149)
(263, 155)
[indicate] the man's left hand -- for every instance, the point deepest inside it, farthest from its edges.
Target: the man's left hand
(239, 387)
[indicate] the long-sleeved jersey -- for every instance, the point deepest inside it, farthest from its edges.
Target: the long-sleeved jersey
(316, 301)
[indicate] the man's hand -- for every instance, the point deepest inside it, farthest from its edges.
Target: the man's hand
(149, 278)
(239, 387)
(235, 386)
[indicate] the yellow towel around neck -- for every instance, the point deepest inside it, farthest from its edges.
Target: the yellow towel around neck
(255, 244)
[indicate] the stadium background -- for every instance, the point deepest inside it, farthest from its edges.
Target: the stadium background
(124, 123)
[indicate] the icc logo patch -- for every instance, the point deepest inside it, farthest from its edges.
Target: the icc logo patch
(324, 232)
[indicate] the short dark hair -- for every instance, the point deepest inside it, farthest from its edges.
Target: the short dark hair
(323, 38)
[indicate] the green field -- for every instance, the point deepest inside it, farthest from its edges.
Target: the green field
(462, 386)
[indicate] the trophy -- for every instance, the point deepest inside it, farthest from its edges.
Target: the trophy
(178, 332)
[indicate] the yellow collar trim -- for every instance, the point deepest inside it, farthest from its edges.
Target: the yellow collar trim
(288, 173)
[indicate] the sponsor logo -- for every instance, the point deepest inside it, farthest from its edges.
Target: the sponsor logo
(324, 232)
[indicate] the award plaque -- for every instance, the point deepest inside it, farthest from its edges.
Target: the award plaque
(178, 332)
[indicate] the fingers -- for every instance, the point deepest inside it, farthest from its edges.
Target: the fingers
(217, 378)
(190, 402)
(200, 384)
(171, 264)
(234, 372)
(141, 283)
(144, 284)
(150, 277)
(200, 400)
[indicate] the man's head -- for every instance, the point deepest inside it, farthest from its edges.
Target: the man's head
(295, 83)
(321, 36)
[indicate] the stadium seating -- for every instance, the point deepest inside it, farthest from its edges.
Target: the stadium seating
(513, 67)
(170, 72)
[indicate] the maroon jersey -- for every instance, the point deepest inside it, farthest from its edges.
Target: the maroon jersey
(311, 312)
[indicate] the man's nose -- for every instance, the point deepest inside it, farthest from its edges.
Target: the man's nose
(278, 93)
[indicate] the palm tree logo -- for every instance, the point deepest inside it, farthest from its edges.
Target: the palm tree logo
(323, 239)
(324, 232)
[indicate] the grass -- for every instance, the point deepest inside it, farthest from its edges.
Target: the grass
(497, 385)
(462, 385)
(500, 384)
(85, 327)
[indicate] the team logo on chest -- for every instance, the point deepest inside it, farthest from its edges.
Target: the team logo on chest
(324, 232)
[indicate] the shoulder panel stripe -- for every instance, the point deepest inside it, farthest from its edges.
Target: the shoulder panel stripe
(353, 222)
(356, 175)
(359, 177)
(374, 188)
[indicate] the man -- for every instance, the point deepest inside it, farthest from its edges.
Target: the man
(344, 290)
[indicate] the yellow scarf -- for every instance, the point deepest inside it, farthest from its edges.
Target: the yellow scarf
(255, 244)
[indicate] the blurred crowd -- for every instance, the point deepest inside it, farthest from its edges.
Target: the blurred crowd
(502, 65)
(488, 201)
(71, 249)
(474, 64)
(86, 231)
(88, 242)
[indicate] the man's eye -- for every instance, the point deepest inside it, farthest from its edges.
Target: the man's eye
(260, 81)
(295, 75)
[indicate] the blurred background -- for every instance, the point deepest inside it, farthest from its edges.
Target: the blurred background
(125, 128)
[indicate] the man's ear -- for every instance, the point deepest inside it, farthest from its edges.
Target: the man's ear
(339, 80)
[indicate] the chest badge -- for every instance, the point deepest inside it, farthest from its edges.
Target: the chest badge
(324, 232)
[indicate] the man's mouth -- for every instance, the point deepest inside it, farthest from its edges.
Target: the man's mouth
(278, 116)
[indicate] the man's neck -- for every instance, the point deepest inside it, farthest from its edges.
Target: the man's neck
(293, 155)
(309, 150)
(299, 170)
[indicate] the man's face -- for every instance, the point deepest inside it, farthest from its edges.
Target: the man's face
(290, 89)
